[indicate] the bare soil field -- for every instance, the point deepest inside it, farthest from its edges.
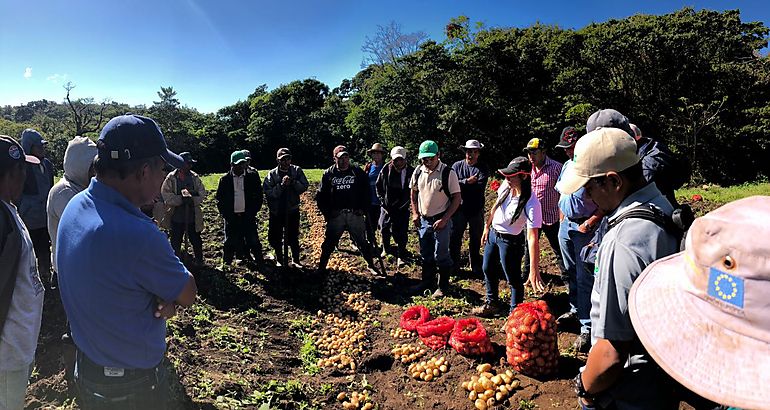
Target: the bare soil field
(256, 334)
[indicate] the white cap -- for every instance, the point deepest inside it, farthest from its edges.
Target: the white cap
(596, 154)
(473, 144)
(398, 152)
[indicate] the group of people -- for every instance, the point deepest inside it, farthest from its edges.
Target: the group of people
(699, 315)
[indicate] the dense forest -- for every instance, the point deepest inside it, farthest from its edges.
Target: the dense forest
(695, 79)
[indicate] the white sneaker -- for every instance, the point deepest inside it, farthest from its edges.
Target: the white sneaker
(295, 265)
(400, 263)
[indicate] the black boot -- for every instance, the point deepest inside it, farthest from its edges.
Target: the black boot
(428, 272)
(443, 282)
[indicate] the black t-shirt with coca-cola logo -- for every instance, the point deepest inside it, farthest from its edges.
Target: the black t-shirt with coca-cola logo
(347, 189)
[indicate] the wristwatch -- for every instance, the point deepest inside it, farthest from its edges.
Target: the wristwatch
(579, 389)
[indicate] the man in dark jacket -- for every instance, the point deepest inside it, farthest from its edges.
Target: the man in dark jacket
(239, 198)
(395, 195)
(343, 197)
(32, 206)
(283, 186)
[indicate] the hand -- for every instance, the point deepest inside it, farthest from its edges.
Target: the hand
(485, 237)
(535, 281)
(586, 404)
(416, 219)
(583, 228)
(165, 310)
(440, 224)
(472, 179)
(186, 193)
(286, 180)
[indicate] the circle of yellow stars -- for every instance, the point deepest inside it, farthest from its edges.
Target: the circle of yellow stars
(720, 292)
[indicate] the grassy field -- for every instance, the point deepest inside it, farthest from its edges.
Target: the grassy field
(210, 181)
(724, 195)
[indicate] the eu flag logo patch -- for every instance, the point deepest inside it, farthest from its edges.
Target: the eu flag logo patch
(725, 287)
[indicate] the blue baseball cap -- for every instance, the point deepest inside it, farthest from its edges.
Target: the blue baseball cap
(131, 136)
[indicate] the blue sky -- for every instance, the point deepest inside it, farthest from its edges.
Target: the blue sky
(215, 52)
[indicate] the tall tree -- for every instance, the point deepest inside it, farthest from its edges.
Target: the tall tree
(389, 44)
(86, 115)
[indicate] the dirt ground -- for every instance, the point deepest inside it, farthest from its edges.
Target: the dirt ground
(249, 341)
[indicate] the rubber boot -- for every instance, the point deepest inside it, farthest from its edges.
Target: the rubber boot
(443, 281)
(428, 278)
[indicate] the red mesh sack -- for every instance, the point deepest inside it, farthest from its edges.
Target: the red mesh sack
(469, 338)
(413, 317)
(531, 339)
(435, 333)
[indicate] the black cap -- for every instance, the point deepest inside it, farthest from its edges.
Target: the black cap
(131, 136)
(12, 153)
(608, 118)
(569, 137)
(187, 157)
(517, 165)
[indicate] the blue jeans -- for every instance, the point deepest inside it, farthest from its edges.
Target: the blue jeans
(579, 281)
(504, 251)
(434, 245)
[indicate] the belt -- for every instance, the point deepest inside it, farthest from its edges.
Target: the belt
(578, 221)
(87, 366)
(434, 218)
(508, 236)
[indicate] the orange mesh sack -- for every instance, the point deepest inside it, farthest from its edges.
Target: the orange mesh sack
(414, 316)
(469, 338)
(435, 333)
(531, 339)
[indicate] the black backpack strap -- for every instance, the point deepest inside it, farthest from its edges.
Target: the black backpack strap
(650, 213)
(445, 180)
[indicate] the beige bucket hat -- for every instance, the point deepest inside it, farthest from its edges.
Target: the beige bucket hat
(704, 314)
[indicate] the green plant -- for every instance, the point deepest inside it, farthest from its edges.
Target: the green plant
(309, 355)
(442, 306)
(525, 404)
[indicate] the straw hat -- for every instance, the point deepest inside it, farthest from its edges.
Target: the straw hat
(376, 147)
(704, 314)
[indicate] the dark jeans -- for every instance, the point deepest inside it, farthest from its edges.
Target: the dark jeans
(41, 242)
(135, 389)
(373, 215)
(396, 222)
(580, 281)
(241, 238)
(353, 222)
(552, 234)
(279, 223)
(177, 233)
(503, 252)
(475, 224)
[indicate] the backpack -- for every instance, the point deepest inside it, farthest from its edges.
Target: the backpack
(668, 170)
(677, 225)
(444, 178)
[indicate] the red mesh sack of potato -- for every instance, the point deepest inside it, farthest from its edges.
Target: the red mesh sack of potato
(435, 333)
(469, 338)
(531, 339)
(413, 317)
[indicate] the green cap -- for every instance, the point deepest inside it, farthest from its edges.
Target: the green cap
(237, 157)
(428, 149)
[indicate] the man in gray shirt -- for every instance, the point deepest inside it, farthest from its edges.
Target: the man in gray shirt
(619, 373)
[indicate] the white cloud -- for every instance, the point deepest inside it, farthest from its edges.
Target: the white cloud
(28, 72)
(57, 78)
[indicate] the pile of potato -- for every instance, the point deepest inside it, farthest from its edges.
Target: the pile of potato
(357, 400)
(488, 389)
(407, 353)
(340, 340)
(399, 333)
(531, 339)
(430, 369)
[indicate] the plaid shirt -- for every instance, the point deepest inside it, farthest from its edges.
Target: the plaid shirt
(544, 187)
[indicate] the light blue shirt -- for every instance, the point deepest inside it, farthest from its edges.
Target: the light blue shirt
(576, 205)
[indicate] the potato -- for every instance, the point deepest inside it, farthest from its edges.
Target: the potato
(464, 385)
(480, 404)
(496, 380)
(367, 406)
(499, 396)
(482, 368)
(443, 368)
(515, 384)
(491, 402)
(341, 396)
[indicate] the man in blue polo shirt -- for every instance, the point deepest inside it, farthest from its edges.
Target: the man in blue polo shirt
(118, 275)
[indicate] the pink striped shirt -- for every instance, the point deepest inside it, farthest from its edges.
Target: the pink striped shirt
(544, 188)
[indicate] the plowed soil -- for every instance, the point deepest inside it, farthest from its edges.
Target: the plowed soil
(241, 344)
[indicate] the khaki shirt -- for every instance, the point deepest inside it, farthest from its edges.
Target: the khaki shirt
(431, 199)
